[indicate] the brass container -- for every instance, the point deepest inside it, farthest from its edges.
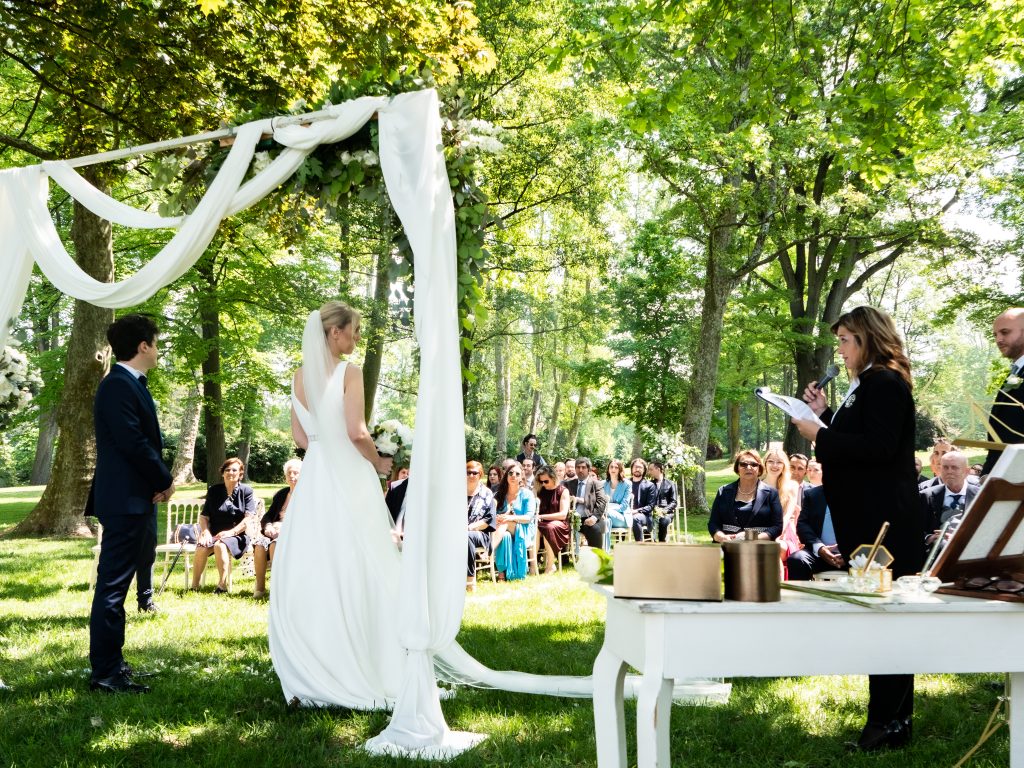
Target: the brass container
(668, 571)
(752, 571)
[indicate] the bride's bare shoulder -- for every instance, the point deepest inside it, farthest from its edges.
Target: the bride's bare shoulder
(300, 391)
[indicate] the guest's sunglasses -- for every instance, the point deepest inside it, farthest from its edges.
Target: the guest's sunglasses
(749, 465)
(471, 472)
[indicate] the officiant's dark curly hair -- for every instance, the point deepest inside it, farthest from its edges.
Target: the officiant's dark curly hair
(337, 314)
(876, 333)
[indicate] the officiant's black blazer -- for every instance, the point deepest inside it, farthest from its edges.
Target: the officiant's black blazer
(1007, 411)
(867, 459)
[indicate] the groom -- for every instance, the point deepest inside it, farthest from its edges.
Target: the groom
(130, 479)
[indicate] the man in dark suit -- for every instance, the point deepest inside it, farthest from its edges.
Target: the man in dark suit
(814, 528)
(395, 500)
(641, 498)
(131, 478)
(951, 497)
(591, 502)
(530, 452)
(1006, 419)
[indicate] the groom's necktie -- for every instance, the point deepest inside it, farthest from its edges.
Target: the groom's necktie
(955, 501)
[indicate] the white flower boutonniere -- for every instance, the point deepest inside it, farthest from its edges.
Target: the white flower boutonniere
(850, 400)
(1013, 381)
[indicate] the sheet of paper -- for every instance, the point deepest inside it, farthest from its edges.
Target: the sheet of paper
(791, 405)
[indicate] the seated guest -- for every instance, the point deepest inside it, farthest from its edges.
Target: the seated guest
(746, 503)
(552, 517)
(395, 498)
(481, 517)
(666, 498)
(591, 504)
(798, 469)
(814, 472)
(222, 524)
(616, 488)
(777, 475)
(515, 526)
(641, 498)
(922, 479)
(975, 470)
(494, 478)
(814, 527)
(528, 479)
(530, 452)
(560, 471)
(941, 448)
(951, 497)
(270, 527)
(570, 476)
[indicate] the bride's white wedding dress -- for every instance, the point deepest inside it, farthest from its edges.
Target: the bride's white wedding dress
(333, 628)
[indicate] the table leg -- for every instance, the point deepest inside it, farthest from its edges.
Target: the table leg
(609, 718)
(1016, 719)
(653, 716)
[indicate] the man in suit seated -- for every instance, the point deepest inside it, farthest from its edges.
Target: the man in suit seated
(941, 448)
(591, 502)
(814, 528)
(951, 497)
(641, 498)
(666, 498)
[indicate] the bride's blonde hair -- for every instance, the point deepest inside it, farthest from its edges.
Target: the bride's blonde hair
(336, 314)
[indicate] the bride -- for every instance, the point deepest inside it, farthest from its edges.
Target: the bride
(333, 634)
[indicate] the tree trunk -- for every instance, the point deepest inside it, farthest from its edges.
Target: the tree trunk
(734, 427)
(45, 442)
(503, 388)
(182, 471)
(573, 443)
(638, 443)
(377, 325)
(213, 399)
(535, 409)
(555, 408)
(700, 401)
(61, 509)
(245, 445)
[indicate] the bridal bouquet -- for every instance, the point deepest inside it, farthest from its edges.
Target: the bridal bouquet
(393, 439)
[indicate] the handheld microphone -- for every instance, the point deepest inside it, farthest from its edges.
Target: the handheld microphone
(830, 373)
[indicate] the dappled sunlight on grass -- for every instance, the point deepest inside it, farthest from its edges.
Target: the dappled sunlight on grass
(217, 702)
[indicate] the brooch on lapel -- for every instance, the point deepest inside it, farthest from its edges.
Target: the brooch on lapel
(850, 400)
(1013, 381)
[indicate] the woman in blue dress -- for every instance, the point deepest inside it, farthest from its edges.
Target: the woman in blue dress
(616, 488)
(517, 526)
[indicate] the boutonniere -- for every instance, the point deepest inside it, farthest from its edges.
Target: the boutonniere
(1013, 381)
(850, 400)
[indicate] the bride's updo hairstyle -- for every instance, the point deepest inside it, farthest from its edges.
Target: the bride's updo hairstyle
(336, 314)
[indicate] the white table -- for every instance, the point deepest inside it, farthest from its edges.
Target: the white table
(667, 640)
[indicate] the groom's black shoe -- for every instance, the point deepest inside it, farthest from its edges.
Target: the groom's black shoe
(117, 683)
(891, 735)
(132, 674)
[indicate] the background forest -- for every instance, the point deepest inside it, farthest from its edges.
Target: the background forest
(660, 206)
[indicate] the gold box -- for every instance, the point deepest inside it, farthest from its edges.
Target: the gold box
(668, 571)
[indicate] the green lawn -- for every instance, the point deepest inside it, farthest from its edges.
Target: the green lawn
(216, 701)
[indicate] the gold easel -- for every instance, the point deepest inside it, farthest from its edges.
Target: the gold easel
(985, 418)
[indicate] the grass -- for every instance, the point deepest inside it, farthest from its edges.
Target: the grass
(216, 701)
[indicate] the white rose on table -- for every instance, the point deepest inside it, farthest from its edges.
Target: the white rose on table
(588, 565)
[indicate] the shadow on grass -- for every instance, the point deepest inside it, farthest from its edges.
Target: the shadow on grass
(546, 648)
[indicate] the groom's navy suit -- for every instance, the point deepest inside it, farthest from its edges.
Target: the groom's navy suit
(129, 472)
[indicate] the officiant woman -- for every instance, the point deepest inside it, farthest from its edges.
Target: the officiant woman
(866, 451)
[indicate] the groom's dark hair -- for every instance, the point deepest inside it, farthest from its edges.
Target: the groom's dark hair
(127, 332)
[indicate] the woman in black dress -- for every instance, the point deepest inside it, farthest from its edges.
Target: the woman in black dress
(867, 458)
(222, 523)
(270, 527)
(747, 504)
